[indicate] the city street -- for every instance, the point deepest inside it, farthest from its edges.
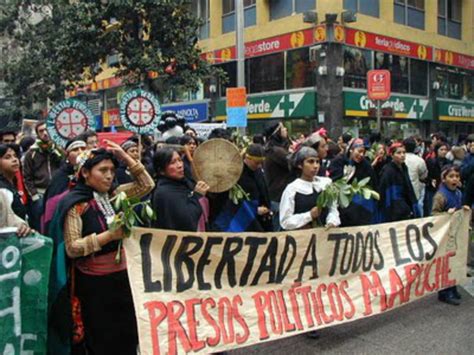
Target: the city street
(422, 327)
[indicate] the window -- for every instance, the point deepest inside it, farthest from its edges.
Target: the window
(410, 13)
(418, 77)
(366, 7)
(449, 18)
(454, 83)
(228, 14)
(469, 87)
(201, 9)
(265, 73)
(284, 8)
(299, 70)
(111, 101)
(113, 60)
(230, 69)
(398, 67)
(356, 64)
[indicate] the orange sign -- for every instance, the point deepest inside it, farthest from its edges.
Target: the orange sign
(339, 33)
(378, 84)
(320, 33)
(111, 118)
(210, 57)
(422, 52)
(448, 57)
(236, 97)
(297, 39)
(360, 39)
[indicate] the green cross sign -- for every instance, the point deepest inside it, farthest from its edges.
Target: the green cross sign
(287, 105)
(418, 108)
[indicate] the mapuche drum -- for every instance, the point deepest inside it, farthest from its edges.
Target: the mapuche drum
(218, 163)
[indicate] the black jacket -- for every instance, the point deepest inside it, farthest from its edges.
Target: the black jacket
(360, 211)
(243, 216)
(60, 181)
(397, 197)
(277, 171)
(176, 205)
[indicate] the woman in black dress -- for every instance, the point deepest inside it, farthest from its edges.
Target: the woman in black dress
(397, 197)
(175, 199)
(353, 165)
(101, 282)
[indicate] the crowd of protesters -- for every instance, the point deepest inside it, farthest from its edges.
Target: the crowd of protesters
(66, 193)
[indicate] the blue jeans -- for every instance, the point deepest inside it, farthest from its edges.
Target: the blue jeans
(428, 202)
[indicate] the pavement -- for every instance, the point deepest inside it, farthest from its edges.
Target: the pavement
(426, 326)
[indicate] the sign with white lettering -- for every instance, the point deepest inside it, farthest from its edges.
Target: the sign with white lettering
(24, 276)
(192, 112)
(378, 84)
(357, 104)
(204, 129)
(140, 111)
(461, 111)
(392, 45)
(68, 119)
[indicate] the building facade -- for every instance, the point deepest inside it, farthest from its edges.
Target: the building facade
(314, 74)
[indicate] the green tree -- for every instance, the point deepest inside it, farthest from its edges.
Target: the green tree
(63, 43)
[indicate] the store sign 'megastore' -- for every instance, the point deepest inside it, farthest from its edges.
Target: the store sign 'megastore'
(266, 46)
(453, 58)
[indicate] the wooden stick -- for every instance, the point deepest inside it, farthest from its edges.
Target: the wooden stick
(191, 160)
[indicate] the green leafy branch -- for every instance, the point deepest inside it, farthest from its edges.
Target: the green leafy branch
(242, 142)
(127, 217)
(237, 194)
(341, 192)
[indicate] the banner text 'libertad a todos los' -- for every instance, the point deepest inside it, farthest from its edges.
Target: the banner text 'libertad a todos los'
(207, 292)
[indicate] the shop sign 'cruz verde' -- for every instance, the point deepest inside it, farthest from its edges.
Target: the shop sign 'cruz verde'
(286, 105)
(405, 107)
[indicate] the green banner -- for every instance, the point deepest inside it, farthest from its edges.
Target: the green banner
(286, 105)
(404, 107)
(24, 278)
(460, 111)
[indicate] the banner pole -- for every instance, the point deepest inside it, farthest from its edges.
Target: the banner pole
(379, 117)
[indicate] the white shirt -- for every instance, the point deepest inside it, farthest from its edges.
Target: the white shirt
(7, 217)
(288, 219)
(417, 171)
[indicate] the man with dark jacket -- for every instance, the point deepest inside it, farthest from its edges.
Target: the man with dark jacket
(41, 161)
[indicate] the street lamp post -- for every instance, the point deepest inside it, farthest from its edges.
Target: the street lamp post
(239, 37)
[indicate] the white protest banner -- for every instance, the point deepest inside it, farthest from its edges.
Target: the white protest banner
(208, 292)
(204, 129)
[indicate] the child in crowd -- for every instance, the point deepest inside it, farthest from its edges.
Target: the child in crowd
(448, 198)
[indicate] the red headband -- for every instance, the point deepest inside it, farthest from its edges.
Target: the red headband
(394, 147)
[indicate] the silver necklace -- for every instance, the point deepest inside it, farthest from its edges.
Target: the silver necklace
(103, 202)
